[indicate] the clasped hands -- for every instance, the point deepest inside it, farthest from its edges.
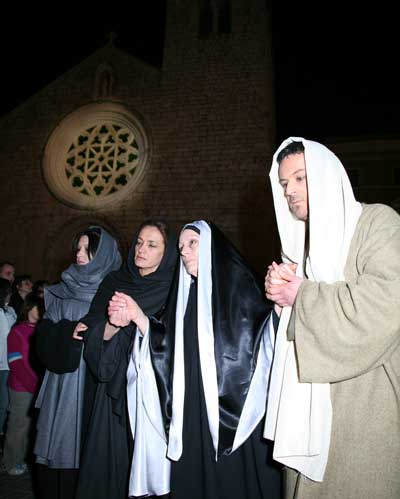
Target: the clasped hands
(282, 284)
(122, 310)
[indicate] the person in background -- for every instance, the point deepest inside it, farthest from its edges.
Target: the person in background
(22, 286)
(38, 287)
(7, 320)
(7, 271)
(23, 383)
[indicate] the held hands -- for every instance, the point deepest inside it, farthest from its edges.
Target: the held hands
(122, 309)
(79, 328)
(282, 285)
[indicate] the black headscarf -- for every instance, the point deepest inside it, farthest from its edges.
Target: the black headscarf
(149, 291)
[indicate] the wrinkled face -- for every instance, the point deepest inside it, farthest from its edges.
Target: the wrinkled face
(82, 251)
(8, 272)
(33, 315)
(189, 242)
(293, 179)
(149, 250)
(25, 286)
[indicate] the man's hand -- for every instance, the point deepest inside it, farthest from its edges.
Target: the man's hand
(79, 328)
(282, 285)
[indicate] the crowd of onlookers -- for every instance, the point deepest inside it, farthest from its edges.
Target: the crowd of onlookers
(21, 307)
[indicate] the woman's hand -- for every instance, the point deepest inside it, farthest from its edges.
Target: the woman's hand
(123, 309)
(79, 328)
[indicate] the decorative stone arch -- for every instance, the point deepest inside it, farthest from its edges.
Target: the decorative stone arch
(96, 156)
(58, 256)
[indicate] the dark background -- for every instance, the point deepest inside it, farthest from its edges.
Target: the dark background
(335, 76)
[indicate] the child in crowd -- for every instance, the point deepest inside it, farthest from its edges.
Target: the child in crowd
(23, 383)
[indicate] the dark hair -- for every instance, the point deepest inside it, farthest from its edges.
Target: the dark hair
(28, 304)
(19, 278)
(93, 234)
(5, 262)
(159, 224)
(5, 290)
(292, 148)
(42, 283)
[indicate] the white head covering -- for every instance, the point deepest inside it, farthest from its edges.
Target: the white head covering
(299, 415)
(206, 345)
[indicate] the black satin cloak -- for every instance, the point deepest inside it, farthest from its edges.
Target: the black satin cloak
(240, 313)
(248, 473)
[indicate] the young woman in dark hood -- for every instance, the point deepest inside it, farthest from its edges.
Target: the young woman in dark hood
(146, 277)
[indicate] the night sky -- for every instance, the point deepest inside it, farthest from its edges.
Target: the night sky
(335, 68)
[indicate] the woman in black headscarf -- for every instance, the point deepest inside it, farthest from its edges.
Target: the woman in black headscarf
(197, 383)
(146, 277)
(62, 395)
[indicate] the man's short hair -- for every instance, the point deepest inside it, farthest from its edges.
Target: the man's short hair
(3, 263)
(292, 148)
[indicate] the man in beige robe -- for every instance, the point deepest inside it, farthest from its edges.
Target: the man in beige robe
(334, 416)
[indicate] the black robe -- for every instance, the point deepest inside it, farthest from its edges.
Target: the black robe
(105, 462)
(247, 473)
(240, 313)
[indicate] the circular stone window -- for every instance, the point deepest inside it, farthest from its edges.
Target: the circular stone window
(96, 156)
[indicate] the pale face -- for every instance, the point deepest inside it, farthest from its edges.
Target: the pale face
(8, 272)
(25, 287)
(293, 179)
(82, 251)
(189, 242)
(33, 315)
(149, 250)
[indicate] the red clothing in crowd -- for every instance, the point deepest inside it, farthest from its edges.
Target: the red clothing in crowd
(22, 377)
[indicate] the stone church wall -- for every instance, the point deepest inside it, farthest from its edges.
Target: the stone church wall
(209, 117)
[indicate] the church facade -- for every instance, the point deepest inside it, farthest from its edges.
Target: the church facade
(114, 141)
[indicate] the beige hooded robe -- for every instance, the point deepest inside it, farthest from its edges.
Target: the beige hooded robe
(347, 335)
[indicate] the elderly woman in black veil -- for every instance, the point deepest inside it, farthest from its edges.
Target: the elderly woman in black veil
(146, 277)
(197, 381)
(62, 395)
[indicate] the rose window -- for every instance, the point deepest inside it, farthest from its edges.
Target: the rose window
(96, 156)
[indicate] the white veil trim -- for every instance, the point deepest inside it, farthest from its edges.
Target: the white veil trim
(206, 346)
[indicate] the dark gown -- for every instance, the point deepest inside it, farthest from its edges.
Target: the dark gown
(107, 448)
(247, 473)
(107, 451)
